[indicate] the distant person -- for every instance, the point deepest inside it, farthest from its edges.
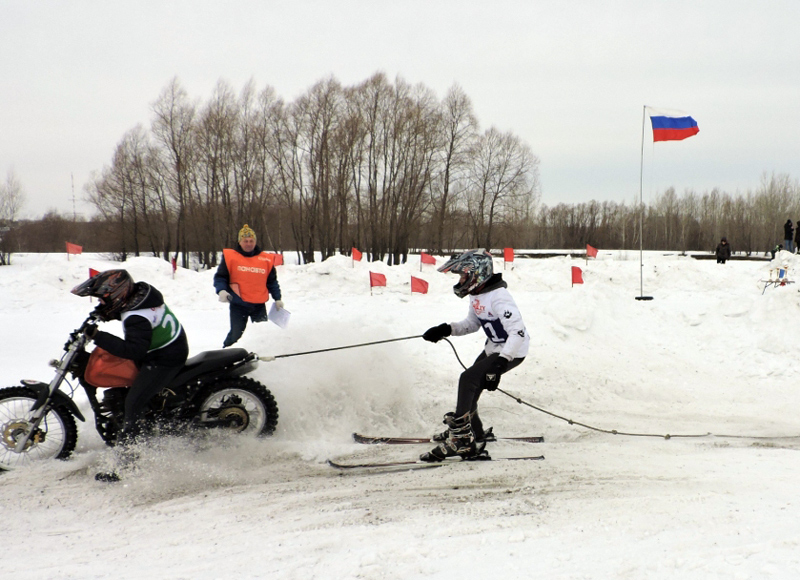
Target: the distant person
(797, 237)
(723, 251)
(788, 236)
(245, 278)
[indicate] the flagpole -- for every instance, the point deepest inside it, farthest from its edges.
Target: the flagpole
(641, 211)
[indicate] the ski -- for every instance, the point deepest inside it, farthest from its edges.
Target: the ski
(417, 464)
(367, 440)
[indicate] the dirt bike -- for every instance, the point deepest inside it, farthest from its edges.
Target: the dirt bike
(37, 420)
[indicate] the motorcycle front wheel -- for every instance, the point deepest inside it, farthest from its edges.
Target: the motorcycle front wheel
(55, 438)
(240, 405)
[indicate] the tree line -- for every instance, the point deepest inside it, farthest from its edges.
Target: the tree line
(382, 166)
(752, 222)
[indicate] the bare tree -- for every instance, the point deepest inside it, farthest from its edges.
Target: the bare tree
(213, 196)
(12, 198)
(173, 130)
(459, 128)
(320, 118)
(416, 146)
(504, 175)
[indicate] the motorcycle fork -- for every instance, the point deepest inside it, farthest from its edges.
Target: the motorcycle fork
(42, 404)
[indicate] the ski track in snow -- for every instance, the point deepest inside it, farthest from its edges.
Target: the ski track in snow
(710, 353)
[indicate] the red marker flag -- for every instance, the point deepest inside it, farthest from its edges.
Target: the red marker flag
(277, 259)
(376, 279)
(419, 285)
(427, 259)
(508, 254)
(74, 249)
(174, 265)
(93, 272)
(356, 255)
(577, 278)
(590, 251)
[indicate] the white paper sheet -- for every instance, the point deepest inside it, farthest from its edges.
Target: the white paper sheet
(279, 316)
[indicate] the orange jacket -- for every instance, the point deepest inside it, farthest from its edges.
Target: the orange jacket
(248, 275)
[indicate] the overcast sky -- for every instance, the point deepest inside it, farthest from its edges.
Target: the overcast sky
(569, 78)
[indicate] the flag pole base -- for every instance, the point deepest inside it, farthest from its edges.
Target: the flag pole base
(644, 298)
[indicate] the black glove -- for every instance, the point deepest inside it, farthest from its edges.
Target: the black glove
(90, 331)
(437, 333)
(492, 378)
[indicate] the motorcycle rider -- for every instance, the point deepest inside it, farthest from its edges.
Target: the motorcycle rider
(492, 309)
(154, 340)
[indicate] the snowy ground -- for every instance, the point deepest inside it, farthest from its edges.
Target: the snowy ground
(710, 354)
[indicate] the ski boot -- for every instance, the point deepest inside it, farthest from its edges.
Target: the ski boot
(460, 441)
(447, 419)
(124, 459)
(481, 436)
(107, 476)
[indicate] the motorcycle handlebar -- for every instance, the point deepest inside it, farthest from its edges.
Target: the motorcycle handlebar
(91, 319)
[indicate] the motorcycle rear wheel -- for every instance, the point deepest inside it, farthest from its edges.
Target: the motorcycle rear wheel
(245, 405)
(55, 438)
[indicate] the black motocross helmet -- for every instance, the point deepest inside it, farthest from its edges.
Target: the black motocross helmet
(112, 287)
(474, 268)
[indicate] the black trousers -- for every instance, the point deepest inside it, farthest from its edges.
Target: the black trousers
(149, 382)
(239, 315)
(470, 386)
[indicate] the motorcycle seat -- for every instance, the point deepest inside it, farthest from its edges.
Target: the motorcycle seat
(221, 356)
(208, 361)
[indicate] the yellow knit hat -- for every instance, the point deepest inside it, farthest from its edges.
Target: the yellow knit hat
(246, 232)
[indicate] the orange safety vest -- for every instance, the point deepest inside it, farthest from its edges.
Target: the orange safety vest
(248, 275)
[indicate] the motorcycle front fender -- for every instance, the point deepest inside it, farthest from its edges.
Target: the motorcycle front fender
(59, 398)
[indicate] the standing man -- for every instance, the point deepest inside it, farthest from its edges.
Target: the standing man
(493, 310)
(723, 251)
(788, 236)
(246, 278)
(797, 237)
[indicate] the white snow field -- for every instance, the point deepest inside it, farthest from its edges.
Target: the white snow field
(712, 353)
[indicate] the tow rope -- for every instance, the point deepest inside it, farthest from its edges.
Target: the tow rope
(272, 358)
(617, 432)
(527, 404)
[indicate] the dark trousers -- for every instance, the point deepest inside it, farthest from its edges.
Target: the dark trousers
(239, 315)
(470, 387)
(149, 382)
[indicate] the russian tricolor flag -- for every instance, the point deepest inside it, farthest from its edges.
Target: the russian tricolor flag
(672, 126)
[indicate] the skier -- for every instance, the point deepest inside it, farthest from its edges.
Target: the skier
(246, 278)
(154, 340)
(491, 308)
